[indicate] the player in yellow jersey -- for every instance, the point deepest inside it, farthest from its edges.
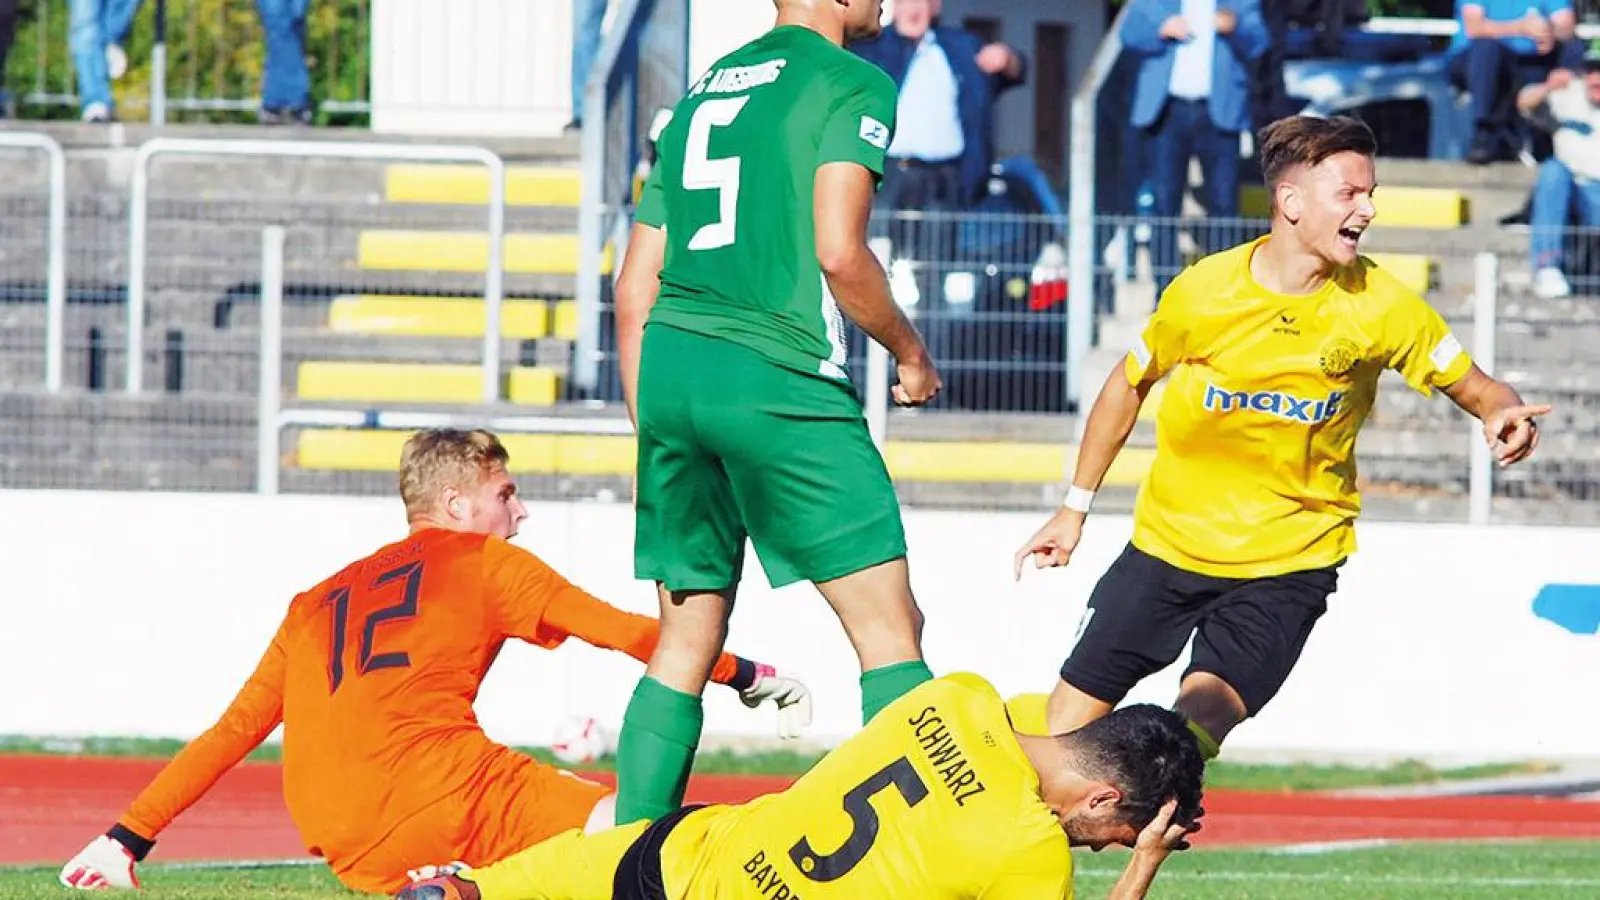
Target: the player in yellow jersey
(937, 798)
(1274, 349)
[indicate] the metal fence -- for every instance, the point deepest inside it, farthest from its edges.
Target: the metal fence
(201, 58)
(988, 290)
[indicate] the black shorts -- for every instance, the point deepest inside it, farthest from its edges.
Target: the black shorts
(639, 871)
(1247, 631)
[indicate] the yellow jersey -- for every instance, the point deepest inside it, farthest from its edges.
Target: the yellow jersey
(934, 799)
(1255, 471)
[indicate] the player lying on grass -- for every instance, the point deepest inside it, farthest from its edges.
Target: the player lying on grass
(373, 674)
(1275, 349)
(937, 798)
(751, 239)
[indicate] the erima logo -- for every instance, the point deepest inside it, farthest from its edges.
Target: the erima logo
(874, 132)
(1274, 403)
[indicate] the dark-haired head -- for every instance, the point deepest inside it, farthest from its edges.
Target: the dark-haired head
(1320, 178)
(1134, 760)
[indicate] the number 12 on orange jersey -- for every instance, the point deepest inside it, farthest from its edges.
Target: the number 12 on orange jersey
(411, 574)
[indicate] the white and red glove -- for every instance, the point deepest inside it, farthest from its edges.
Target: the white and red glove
(105, 864)
(792, 698)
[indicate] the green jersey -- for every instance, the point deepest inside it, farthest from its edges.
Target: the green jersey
(733, 186)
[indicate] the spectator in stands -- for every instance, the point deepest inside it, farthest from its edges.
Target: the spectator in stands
(1193, 100)
(1297, 29)
(1501, 47)
(1569, 107)
(588, 19)
(948, 79)
(95, 34)
(285, 80)
(8, 26)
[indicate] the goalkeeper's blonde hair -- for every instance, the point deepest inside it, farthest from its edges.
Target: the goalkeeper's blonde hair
(440, 457)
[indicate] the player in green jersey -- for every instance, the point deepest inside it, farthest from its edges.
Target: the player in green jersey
(751, 237)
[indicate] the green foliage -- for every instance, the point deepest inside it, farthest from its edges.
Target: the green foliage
(215, 51)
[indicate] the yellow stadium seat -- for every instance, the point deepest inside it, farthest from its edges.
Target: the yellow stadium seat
(579, 454)
(1398, 207)
(469, 184)
(468, 251)
(435, 316)
(379, 382)
(961, 461)
(565, 325)
(1414, 270)
(549, 454)
(531, 386)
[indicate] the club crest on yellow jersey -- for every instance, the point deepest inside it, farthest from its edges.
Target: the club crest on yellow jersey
(1338, 357)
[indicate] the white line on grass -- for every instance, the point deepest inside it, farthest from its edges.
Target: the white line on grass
(1319, 848)
(224, 864)
(1488, 881)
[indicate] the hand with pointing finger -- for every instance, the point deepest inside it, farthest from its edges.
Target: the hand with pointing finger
(1512, 433)
(1051, 545)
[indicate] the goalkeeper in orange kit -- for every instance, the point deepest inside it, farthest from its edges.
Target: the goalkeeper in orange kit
(373, 674)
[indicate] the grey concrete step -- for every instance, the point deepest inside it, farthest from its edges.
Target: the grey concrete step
(76, 135)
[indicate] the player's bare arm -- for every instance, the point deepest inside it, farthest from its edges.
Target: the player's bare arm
(1111, 420)
(636, 289)
(843, 207)
(1509, 423)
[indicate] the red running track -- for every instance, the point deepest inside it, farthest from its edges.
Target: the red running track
(51, 805)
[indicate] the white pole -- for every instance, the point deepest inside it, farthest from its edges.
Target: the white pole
(56, 277)
(494, 279)
(877, 392)
(158, 84)
(139, 198)
(268, 397)
(1484, 299)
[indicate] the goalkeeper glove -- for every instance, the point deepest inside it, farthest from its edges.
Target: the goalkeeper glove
(792, 698)
(103, 865)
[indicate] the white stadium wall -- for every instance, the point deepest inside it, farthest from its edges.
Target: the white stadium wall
(141, 614)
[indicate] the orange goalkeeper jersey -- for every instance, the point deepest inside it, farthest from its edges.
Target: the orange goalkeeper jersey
(374, 672)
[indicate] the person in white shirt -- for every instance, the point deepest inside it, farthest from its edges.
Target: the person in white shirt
(947, 80)
(1568, 105)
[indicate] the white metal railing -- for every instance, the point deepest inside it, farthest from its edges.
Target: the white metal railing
(1447, 27)
(1081, 212)
(56, 271)
(272, 417)
(138, 224)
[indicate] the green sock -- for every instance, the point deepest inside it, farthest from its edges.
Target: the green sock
(655, 750)
(1209, 748)
(884, 685)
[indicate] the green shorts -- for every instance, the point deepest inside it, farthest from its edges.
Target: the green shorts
(734, 446)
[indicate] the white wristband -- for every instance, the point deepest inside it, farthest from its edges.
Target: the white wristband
(1078, 499)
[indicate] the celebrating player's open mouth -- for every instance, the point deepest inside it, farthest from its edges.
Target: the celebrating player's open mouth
(1350, 235)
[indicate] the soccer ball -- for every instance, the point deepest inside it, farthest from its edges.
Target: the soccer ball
(580, 740)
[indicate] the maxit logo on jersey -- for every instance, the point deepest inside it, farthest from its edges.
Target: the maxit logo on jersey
(1309, 410)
